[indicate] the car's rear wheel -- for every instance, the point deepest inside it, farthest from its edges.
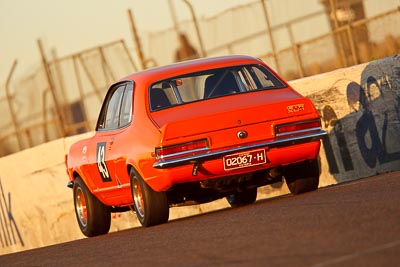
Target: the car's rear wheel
(94, 218)
(151, 207)
(302, 177)
(242, 198)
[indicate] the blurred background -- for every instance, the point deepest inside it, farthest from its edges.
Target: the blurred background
(58, 58)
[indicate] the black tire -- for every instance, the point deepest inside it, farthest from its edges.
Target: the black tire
(242, 198)
(151, 207)
(302, 177)
(94, 218)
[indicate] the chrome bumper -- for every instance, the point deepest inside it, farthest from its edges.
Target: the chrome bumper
(293, 140)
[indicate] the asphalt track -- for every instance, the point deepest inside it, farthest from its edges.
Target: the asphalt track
(351, 224)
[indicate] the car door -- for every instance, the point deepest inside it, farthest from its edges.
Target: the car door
(122, 145)
(107, 130)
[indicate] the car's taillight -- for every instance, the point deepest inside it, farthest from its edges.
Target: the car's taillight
(184, 149)
(298, 127)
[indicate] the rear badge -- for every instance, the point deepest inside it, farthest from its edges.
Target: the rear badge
(242, 134)
(295, 108)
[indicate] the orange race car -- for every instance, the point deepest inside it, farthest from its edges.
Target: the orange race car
(191, 133)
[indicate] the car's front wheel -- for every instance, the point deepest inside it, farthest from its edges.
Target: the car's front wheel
(94, 218)
(242, 198)
(151, 207)
(302, 177)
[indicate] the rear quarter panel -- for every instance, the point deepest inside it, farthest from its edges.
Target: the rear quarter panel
(78, 162)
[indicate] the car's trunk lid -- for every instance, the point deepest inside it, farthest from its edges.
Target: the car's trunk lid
(219, 119)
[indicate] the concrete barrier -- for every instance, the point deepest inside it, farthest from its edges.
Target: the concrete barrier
(360, 108)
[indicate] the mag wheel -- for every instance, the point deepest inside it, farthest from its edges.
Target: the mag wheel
(302, 177)
(151, 207)
(94, 218)
(242, 198)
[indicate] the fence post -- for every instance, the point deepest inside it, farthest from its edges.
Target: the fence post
(271, 39)
(59, 73)
(80, 89)
(337, 34)
(174, 18)
(106, 67)
(298, 60)
(60, 124)
(91, 79)
(29, 137)
(44, 115)
(295, 51)
(136, 40)
(129, 55)
(196, 25)
(352, 44)
(9, 99)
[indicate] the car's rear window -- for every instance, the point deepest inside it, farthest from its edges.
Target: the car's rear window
(210, 84)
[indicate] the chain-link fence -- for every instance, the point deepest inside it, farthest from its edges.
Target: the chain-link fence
(301, 47)
(81, 80)
(358, 42)
(62, 101)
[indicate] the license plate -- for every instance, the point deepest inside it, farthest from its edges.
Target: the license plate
(244, 159)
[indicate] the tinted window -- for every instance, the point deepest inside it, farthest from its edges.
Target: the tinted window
(117, 109)
(113, 108)
(126, 108)
(210, 84)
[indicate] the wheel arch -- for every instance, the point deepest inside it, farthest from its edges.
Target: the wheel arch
(131, 165)
(77, 173)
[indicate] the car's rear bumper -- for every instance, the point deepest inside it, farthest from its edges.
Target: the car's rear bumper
(287, 141)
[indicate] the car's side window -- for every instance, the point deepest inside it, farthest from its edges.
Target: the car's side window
(126, 107)
(113, 108)
(110, 114)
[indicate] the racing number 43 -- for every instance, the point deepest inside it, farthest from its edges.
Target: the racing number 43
(101, 162)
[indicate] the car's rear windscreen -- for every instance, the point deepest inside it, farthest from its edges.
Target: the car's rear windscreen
(213, 83)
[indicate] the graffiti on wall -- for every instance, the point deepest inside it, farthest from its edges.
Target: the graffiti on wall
(9, 232)
(369, 129)
(378, 102)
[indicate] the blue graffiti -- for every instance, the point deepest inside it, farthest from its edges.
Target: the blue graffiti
(374, 120)
(9, 232)
(373, 147)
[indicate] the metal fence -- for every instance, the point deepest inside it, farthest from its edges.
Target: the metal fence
(81, 80)
(347, 45)
(294, 56)
(64, 95)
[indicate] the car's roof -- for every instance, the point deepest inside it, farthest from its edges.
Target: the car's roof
(183, 67)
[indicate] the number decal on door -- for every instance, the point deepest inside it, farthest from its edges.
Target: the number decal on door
(101, 162)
